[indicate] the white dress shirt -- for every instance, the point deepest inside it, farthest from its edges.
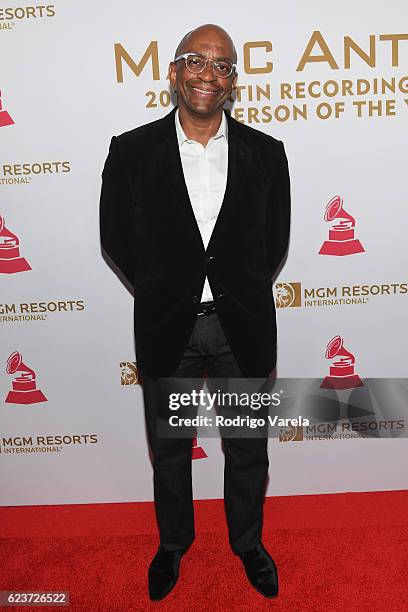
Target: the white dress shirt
(205, 173)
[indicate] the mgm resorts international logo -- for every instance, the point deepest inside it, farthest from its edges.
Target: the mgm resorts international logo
(341, 430)
(37, 311)
(291, 433)
(47, 443)
(11, 15)
(295, 295)
(129, 373)
(23, 173)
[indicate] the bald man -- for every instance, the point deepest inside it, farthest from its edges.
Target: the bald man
(194, 212)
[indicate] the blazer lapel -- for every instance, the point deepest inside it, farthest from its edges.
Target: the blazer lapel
(170, 171)
(235, 179)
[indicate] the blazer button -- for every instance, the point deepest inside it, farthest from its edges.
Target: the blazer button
(196, 299)
(219, 296)
(210, 258)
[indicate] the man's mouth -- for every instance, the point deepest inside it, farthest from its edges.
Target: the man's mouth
(204, 92)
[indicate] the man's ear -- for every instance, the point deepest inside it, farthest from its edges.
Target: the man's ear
(171, 74)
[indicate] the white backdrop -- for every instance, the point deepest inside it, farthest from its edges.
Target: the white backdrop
(70, 317)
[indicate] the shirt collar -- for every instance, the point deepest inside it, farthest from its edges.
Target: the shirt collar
(222, 130)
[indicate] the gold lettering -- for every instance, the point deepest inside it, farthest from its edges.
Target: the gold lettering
(267, 45)
(349, 44)
(122, 54)
(394, 38)
(326, 56)
(285, 91)
(239, 114)
(253, 114)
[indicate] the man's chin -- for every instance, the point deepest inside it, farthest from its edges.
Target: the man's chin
(204, 110)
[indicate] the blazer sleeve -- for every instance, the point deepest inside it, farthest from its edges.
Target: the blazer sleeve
(116, 215)
(278, 220)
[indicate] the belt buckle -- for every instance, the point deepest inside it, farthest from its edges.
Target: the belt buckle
(206, 309)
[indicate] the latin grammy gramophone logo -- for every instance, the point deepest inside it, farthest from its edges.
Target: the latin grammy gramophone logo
(24, 388)
(10, 258)
(5, 118)
(341, 371)
(197, 451)
(341, 234)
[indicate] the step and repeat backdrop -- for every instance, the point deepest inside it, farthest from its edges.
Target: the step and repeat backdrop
(332, 83)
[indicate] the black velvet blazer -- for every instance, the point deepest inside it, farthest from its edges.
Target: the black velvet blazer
(148, 229)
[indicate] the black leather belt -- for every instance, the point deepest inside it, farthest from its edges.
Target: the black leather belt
(206, 308)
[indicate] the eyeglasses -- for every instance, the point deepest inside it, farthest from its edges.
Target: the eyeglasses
(197, 63)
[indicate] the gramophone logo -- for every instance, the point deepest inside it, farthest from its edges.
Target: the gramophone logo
(10, 259)
(197, 451)
(341, 234)
(288, 295)
(5, 118)
(24, 385)
(341, 372)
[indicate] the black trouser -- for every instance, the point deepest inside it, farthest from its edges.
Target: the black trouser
(246, 459)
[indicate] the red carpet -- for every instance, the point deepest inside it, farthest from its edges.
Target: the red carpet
(334, 552)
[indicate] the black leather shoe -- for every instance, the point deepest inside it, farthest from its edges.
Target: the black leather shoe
(261, 570)
(164, 572)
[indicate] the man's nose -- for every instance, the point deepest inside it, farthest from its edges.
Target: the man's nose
(207, 74)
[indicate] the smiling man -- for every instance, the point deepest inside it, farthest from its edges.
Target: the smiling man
(194, 212)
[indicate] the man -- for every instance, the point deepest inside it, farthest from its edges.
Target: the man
(195, 214)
